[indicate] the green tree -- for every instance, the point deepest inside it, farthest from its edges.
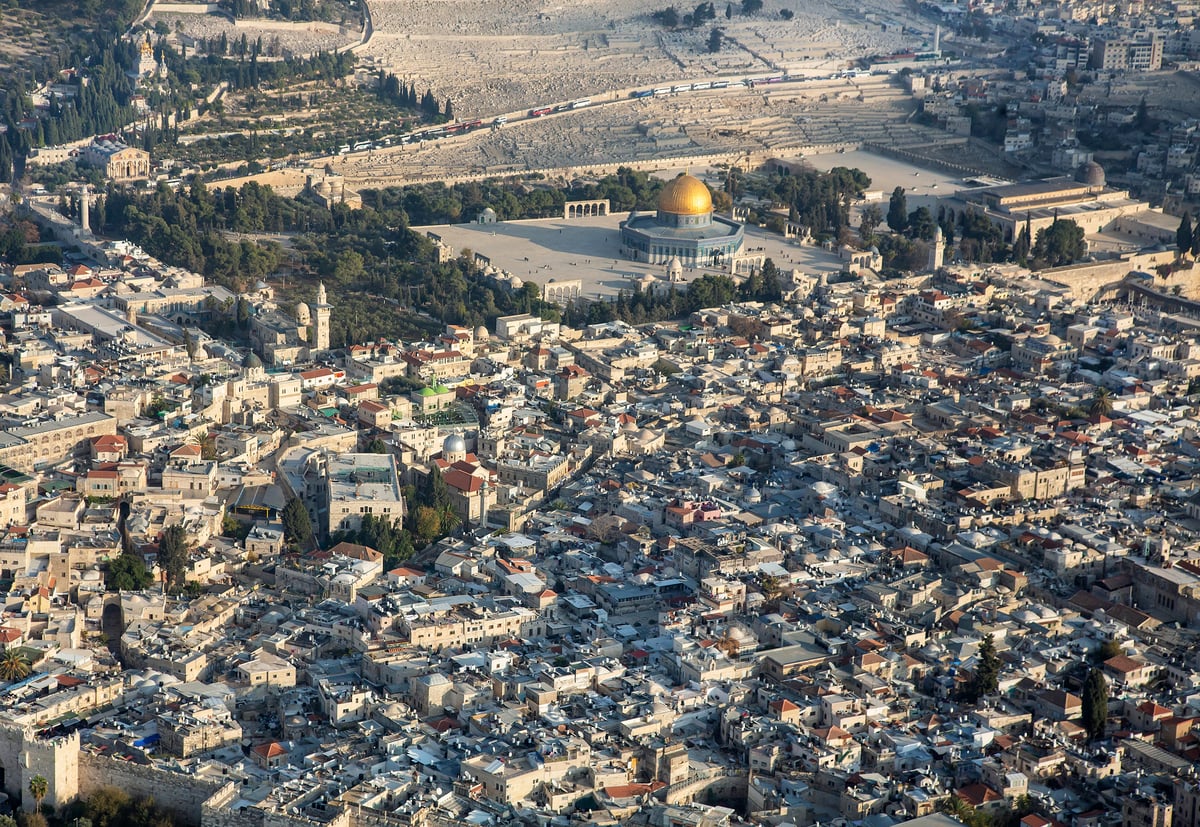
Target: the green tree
(428, 522)
(173, 556)
(349, 267)
(104, 807)
(297, 525)
(986, 677)
(714, 40)
(897, 216)
(772, 588)
(206, 441)
(1060, 243)
(1183, 235)
(447, 520)
(987, 671)
(1095, 703)
(127, 573)
(434, 492)
(231, 526)
(1108, 649)
(667, 18)
(38, 788)
(751, 6)
(869, 221)
(1142, 119)
(110, 807)
(14, 665)
(1102, 402)
(1022, 246)
(955, 806)
(921, 224)
(377, 446)
(404, 547)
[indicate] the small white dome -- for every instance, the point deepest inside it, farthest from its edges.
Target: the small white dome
(454, 444)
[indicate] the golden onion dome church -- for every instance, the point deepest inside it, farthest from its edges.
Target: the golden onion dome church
(684, 228)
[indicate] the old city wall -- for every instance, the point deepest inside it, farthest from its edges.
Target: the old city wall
(22, 757)
(1088, 279)
(183, 795)
(11, 742)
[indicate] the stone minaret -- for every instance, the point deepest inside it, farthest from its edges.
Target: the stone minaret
(84, 216)
(321, 312)
(937, 250)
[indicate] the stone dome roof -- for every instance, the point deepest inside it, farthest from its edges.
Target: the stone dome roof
(1090, 173)
(454, 444)
(252, 362)
(686, 195)
(481, 333)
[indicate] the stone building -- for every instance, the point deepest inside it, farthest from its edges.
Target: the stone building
(1085, 199)
(684, 228)
(119, 161)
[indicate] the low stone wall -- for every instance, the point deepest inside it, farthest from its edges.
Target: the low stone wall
(185, 8)
(923, 161)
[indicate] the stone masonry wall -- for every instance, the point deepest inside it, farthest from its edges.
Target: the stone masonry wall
(183, 795)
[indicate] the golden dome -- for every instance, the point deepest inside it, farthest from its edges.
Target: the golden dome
(686, 195)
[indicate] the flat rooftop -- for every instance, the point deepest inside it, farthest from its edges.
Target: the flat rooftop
(363, 477)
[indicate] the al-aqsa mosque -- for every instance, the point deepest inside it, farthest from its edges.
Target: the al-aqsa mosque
(684, 227)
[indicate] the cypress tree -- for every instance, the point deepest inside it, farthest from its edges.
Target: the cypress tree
(897, 216)
(987, 671)
(1095, 704)
(296, 523)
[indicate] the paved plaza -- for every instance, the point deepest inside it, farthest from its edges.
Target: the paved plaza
(922, 185)
(588, 249)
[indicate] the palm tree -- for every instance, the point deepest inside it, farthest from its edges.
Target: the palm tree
(14, 665)
(729, 645)
(1102, 403)
(772, 588)
(206, 442)
(38, 787)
